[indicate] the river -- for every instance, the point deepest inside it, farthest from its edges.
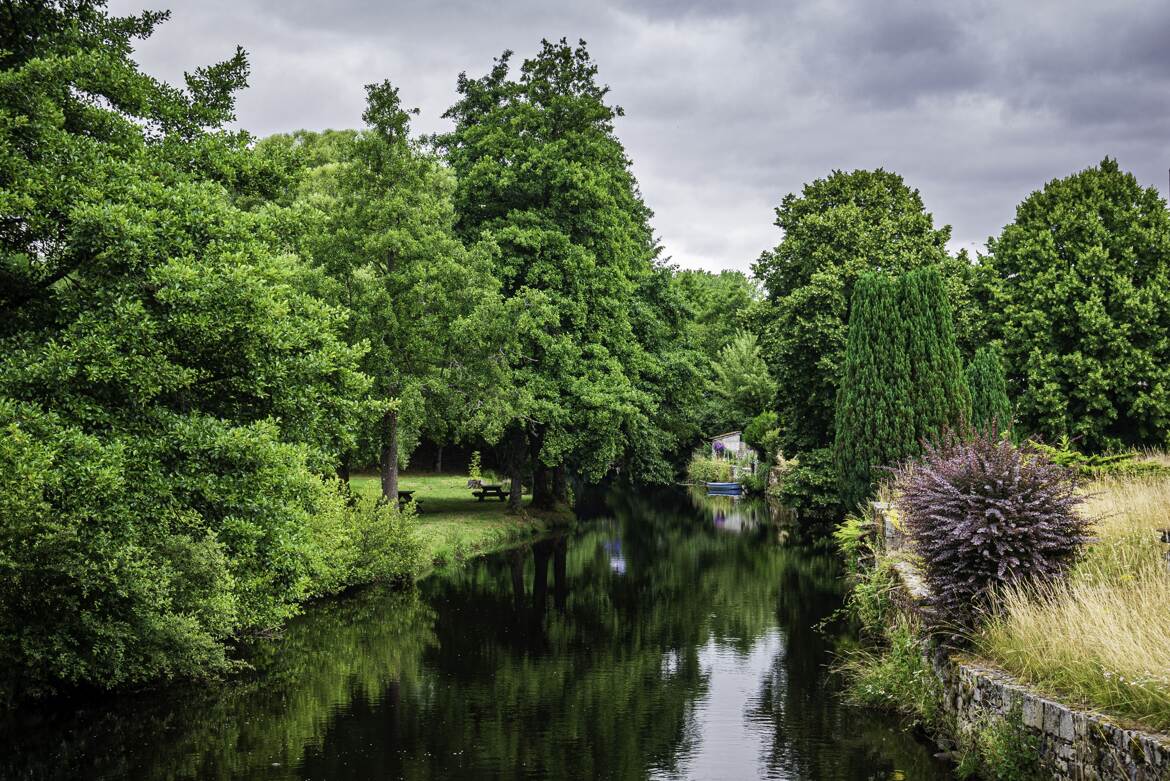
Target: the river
(672, 638)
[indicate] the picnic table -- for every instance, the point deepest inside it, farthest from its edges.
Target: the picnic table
(404, 498)
(490, 489)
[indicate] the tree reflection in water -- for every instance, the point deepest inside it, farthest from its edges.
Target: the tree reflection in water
(667, 648)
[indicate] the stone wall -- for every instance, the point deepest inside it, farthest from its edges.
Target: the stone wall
(1073, 744)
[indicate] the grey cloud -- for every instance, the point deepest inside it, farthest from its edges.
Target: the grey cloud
(729, 106)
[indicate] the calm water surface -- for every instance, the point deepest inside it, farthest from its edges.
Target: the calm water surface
(674, 638)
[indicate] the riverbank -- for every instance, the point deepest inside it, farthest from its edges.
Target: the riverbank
(453, 526)
(996, 707)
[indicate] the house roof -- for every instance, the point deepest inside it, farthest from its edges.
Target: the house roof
(727, 434)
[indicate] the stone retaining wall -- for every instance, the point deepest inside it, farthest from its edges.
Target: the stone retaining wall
(1073, 744)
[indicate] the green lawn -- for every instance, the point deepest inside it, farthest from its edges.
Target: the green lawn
(453, 525)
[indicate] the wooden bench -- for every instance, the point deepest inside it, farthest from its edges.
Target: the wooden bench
(491, 490)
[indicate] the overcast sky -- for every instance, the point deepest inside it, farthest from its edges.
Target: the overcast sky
(732, 105)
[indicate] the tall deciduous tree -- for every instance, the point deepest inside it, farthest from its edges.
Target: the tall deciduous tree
(1082, 293)
(991, 410)
(167, 383)
(875, 422)
(838, 228)
(373, 210)
(542, 176)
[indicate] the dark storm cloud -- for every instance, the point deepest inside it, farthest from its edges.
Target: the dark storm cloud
(731, 105)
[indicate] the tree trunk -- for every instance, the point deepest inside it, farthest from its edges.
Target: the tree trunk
(343, 468)
(439, 460)
(560, 487)
(542, 496)
(390, 456)
(515, 467)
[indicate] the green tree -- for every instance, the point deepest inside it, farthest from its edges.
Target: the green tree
(170, 390)
(718, 304)
(838, 228)
(542, 177)
(875, 422)
(939, 397)
(373, 210)
(1082, 288)
(990, 408)
(741, 381)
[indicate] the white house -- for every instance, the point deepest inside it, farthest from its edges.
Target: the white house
(730, 444)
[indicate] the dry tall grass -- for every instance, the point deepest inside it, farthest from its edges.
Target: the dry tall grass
(1101, 637)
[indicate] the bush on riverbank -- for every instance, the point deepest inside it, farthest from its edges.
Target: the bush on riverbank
(984, 513)
(704, 468)
(127, 560)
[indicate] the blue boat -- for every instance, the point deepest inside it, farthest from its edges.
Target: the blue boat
(724, 489)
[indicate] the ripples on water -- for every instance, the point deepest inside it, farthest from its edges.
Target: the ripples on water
(673, 638)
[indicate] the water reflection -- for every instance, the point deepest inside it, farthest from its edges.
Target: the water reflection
(649, 645)
(730, 513)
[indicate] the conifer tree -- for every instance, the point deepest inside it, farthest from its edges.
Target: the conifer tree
(939, 397)
(874, 423)
(990, 408)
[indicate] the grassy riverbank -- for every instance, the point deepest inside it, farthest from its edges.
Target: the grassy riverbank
(1100, 638)
(454, 526)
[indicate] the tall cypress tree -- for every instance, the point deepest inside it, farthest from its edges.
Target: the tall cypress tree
(990, 408)
(874, 423)
(939, 396)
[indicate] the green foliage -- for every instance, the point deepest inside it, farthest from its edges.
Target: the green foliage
(171, 386)
(990, 408)
(591, 351)
(896, 676)
(705, 468)
(939, 398)
(763, 434)
(837, 229)
(373, 211)
(1127, 463)
(356, 540)
(474, 466)
(717, 304)
(1001, 748)
(903, 383)
(809, 485)
(741, 380)
(1082, 278)
(853, 537)
(875, 419)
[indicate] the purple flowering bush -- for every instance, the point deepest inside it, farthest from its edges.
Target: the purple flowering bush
(983, 512)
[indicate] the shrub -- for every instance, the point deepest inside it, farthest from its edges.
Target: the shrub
(809, 485)
(354, 540)
(853, 538)
(763, 434)
(984, 513)
(708, 469)
(1128, 463)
